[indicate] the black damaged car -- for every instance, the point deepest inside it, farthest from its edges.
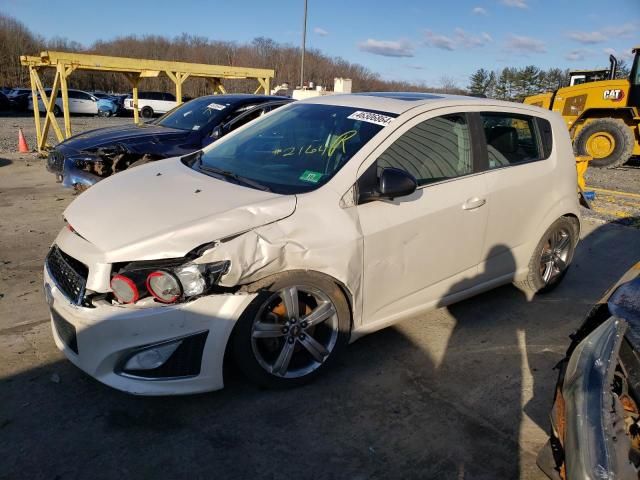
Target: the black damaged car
(595, 420)
(89, 157)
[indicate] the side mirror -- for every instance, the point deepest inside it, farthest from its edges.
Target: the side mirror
(392, 183)
(216, 133)
(396, 183)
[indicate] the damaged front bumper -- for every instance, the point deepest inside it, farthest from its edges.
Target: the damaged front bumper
(595, 419)
(103, 341)
(67, 171)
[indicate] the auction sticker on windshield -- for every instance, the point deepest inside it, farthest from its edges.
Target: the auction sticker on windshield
(311, 176)
(371, 117)
(216, 106)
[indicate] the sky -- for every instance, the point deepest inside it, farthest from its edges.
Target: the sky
(412, 40)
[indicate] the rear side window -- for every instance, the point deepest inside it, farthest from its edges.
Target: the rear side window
(511, 139)
(83, 96)
(168, 97)
(434, 150)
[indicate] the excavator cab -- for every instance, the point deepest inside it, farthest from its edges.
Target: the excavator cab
(578, 77)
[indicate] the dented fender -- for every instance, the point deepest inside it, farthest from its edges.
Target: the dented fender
(298, 243)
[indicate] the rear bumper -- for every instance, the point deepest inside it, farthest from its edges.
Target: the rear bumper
(105, 336)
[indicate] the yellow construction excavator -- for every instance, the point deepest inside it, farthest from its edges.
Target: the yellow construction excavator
(603, 116)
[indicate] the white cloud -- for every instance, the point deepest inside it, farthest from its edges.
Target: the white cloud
(320, 31)
(587, 37)
(619, 54)
(459, 39)
(600, 36)
(387, 48)
(515, 3)
(522, 44)
(439, 41)
(415, 67)
(624, 30)
(479, 11)
(576, 55)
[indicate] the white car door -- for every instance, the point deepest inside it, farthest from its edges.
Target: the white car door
(86, 104)
(420, 248)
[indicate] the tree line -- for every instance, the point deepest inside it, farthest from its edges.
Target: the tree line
(514, 84)
(16, 39)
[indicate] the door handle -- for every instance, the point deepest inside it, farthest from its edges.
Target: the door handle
(473, 203)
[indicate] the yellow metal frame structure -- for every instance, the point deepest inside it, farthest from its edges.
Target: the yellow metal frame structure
(134, 69)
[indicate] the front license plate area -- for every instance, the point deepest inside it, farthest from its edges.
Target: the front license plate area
(66, 331)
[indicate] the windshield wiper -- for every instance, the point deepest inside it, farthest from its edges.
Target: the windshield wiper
(233, 176)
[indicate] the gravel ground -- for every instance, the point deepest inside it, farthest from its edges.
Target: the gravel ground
(461, 392)
(9, 124)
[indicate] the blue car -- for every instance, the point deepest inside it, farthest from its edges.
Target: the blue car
(107, 107)
(88, 157)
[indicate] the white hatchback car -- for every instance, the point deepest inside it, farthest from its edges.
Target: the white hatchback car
(79, 102)
(320, 222)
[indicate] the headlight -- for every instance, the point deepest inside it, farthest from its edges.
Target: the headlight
(166, 283)
(125, 289)
(590, 439)
(191, 278)
(164, 286)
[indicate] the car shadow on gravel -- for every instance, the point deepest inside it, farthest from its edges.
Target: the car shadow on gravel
(396, 405)
(4, 162)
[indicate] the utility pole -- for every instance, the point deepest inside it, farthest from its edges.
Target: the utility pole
(304, 41)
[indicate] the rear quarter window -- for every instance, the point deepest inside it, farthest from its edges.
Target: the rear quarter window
(514, 139)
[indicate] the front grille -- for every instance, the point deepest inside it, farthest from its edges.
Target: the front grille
(184, 362)
(69, 275)
(66, 331)
(55, 161)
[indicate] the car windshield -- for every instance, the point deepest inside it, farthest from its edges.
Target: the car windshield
(296, 149)
(194, 114)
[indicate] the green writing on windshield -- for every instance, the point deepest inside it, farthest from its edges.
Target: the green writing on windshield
(338, 143)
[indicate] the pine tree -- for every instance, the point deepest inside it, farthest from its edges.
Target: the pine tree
(480, 82)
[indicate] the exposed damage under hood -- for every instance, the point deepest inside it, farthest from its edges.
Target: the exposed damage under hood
(85, 159)
(161, 226)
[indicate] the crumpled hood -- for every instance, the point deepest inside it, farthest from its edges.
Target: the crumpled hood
(127, 134)
(165, 209)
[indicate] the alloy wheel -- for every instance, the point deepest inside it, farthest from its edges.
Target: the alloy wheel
(295, 331)
(555, 255)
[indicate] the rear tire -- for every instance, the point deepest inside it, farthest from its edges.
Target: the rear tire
(608, 140)
(56, 111)
(147, 112)
(552, 257)
(292, 331)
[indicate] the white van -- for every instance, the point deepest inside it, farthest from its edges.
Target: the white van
(152, 103)
(318, 223)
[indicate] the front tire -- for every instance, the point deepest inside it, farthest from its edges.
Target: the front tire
(552, 256)
(292, 331)
(608, 140)
(56, 111)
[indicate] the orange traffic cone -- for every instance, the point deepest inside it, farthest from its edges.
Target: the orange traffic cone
(22, 142)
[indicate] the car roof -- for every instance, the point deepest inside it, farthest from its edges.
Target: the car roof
(237, 97)
(400, 102)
